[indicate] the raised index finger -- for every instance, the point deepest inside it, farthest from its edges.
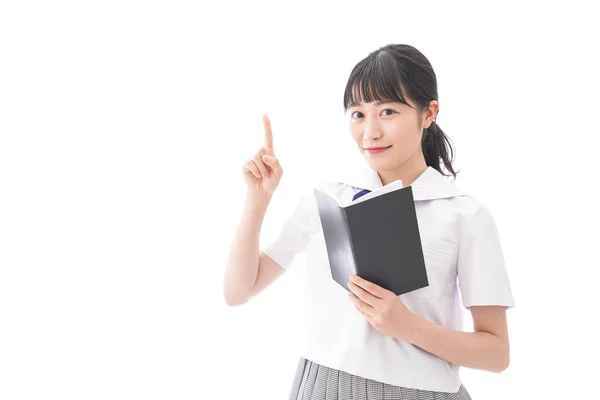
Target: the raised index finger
(268, 135)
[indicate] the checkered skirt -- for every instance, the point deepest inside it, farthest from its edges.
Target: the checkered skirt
(316, 382)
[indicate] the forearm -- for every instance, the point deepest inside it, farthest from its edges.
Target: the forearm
(242, 264)
(477, 350)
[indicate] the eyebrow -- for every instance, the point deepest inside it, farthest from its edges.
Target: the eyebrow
(378, 102)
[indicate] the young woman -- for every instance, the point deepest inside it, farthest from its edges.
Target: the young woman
(364, 342)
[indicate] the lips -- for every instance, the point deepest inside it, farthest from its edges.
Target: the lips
(375, 150)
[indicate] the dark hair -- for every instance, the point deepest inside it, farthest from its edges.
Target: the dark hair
(392, 73)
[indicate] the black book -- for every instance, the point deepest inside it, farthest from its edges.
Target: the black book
(375, 237)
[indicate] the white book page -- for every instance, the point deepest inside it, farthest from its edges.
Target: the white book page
(390, 187)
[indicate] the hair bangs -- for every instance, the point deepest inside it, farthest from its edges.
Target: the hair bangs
(377, 78)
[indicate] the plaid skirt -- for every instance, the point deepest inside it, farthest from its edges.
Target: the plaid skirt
(316, 382)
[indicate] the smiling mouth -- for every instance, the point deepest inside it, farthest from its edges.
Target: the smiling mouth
(375, 150)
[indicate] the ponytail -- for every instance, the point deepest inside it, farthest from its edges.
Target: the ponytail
(436, 146)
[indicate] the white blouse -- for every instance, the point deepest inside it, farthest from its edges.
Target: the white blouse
(464, 262)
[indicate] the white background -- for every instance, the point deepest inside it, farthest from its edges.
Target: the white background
(124, 126)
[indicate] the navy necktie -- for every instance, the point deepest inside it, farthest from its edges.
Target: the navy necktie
(360, 193)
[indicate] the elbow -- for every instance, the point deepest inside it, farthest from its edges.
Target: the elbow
(506, 362)
(232, 296)
(500, 367)
(232, 301)
(502, 364)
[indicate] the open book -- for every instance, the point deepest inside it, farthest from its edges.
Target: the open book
(375, 237)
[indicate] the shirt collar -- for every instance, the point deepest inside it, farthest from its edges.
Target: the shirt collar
(431, 184)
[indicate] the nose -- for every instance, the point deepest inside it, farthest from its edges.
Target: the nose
(371, 130)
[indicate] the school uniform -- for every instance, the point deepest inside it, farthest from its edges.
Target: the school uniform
(342, 355)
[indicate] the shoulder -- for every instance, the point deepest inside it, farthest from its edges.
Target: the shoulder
(457, 205)
(468, 206)
(472, 215)
(464, 204)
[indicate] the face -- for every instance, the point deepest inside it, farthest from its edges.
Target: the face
(394, 126)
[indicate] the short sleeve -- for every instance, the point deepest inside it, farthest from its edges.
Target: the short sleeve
(295, 232)
(482, 274)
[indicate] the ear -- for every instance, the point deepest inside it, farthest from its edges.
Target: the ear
(431, 113)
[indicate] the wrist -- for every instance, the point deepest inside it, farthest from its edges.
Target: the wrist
(418, 326)
(254, 200)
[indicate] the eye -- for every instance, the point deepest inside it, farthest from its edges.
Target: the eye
(387, 109)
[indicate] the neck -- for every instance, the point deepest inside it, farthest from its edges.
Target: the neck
(407, 172)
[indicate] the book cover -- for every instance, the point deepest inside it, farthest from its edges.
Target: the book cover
(375, 237)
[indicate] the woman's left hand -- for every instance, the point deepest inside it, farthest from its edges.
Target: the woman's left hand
(382, 308)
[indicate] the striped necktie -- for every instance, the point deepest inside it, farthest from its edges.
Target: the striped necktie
(360, 193)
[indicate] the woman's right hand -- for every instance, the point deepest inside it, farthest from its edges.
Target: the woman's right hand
(262, 171)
